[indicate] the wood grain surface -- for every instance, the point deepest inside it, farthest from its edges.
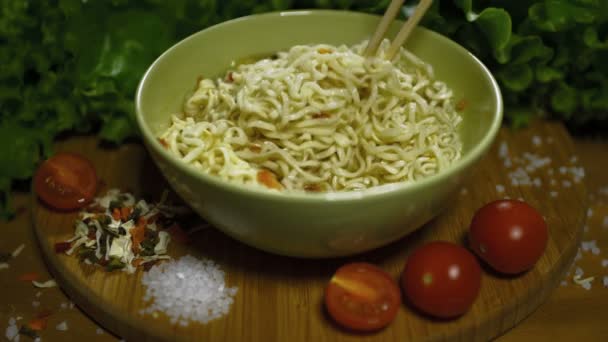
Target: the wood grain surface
(280, 298)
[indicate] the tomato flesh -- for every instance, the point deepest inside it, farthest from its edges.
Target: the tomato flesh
(508, 235)
(66, 181)
(441, 279)
(362, 297)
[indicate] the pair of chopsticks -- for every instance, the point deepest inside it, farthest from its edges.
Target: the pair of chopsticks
(404, 33)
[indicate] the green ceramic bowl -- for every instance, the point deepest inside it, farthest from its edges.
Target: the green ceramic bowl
(312, 225)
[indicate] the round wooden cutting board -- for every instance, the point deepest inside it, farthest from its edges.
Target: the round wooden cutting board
(280, 298)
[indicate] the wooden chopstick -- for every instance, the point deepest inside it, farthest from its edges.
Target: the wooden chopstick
(408, 27)
(387, 19)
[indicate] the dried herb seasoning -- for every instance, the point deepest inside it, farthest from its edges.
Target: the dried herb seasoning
(129, 232)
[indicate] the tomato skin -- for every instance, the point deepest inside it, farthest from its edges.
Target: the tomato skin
(362, 297)
(66, 181)
(441, 279)
(508, 235)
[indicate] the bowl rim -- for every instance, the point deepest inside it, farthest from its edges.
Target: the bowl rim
(476, 151)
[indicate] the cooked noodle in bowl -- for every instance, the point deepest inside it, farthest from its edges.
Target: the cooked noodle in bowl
(320, 118)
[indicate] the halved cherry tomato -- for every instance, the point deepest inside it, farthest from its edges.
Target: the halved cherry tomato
(509, 235)
(66, 181)
(362, 297)
(441, 279)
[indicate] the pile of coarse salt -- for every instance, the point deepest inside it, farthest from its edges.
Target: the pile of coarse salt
(524, 169)
(187, 290)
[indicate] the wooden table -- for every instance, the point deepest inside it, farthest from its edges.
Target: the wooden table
(571, 313)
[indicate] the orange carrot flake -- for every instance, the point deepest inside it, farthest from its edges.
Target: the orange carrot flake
(163, 142)
(269, 179)
(125, 212)
(324, 51)
(31, 276)
(38, 323)
(178, 234)
(321, 116)
(313, 187)
(256, 148)
(138, 234)
(116, 214)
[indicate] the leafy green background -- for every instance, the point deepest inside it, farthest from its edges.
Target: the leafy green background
(72, 66)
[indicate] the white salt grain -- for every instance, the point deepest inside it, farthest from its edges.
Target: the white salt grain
(12, 330)
(3, 266)
(563, 283)
(585, 283)
(588, 245)
(566, 183)
(63, 326)
(574, 159)
(188, 289)
(35, 303)
(604, 262)
(595, 251)
(605, 280)
(578, 272)
(589, 212)
(99, 331)
(64, 306)
(503, 150)
(500, 188)
(38, 294)
(536, 140)
(464, 191)
(553, 194)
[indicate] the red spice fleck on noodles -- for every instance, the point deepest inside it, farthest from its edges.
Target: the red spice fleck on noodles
(462, 105)
(321, 115)
(269, 179)
(163, 142)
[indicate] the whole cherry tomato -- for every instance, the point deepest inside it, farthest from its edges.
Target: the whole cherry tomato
(509, 235)
(441, 279)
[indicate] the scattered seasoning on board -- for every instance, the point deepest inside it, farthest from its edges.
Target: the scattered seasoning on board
(120, 233)
(187, 289)
(6, 257)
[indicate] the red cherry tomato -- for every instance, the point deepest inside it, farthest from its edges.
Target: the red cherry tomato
(66, 181)
(509, 235)
(362, 297)
(441, 279)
